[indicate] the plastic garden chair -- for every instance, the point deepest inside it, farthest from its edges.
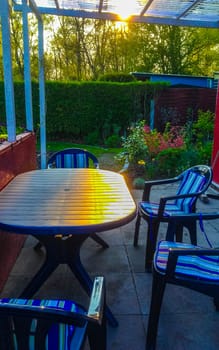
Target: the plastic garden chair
(53, 324)
(182, 264)
(191, 184)
(73, 158)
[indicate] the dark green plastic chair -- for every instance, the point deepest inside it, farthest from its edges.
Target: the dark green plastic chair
(53, 324)
(191, 184)
(182, 264)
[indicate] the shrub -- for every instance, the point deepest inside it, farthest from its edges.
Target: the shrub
(153, 154)
(134, 145)
(117, 77)
(113, 141)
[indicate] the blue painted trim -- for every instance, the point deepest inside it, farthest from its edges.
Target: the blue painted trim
(152, 114)
(204, 21)
(42, 95)
(27, 72)
(8, 76)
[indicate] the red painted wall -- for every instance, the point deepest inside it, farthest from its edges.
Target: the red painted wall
(176, 102)
(15, 158)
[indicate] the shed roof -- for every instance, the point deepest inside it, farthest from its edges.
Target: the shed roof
(196, 13)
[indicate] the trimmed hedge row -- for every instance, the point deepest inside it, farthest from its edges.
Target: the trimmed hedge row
(89, 112)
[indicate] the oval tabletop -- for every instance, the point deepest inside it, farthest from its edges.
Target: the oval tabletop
(66, 201)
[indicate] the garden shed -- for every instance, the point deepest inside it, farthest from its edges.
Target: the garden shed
(178, 80)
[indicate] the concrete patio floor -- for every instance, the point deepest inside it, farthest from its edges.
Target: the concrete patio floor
(188, 319)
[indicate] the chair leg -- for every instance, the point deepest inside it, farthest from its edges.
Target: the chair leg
(216, 303)
(97, 334)
(137, 228)
(179, 233)
(192, 227)
(158, 288)
(37, 246)
(171, 231)
(99, 240)
(174, 231)
(151, 242)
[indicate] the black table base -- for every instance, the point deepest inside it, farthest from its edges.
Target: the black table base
(63, 250)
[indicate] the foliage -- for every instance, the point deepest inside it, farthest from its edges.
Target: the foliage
(203, 128)
(4, 134)
(134, 145)
(157, 142)
(119, 77)
(113, 141)
(84, 49)
(85, 112)
(153, 154)
(143, 144)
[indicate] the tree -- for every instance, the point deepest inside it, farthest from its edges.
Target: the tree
(84, 49)
(17, 45)
(175, 50)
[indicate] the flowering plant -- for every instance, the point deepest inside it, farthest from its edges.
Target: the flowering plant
(152, 154)
(156, 142)
(143, 143)
(142, 146)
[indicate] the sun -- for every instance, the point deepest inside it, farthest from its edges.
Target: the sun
(121, 25)
(126, 8)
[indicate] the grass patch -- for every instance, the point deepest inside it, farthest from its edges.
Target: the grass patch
(55, 146)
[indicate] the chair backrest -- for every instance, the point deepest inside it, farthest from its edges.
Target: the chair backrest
(73, 158)
(22, 319)
(194, 180)
(27, 324)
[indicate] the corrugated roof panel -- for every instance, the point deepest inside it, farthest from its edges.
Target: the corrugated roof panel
(204, 9)
(176, 12)
(170, 8)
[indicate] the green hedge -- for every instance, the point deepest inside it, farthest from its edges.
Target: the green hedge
(86, 111)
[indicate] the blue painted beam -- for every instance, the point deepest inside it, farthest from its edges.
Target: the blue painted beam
(27, 72)
(194, 22)
(152, 106)
(7, 67)
(42, 95)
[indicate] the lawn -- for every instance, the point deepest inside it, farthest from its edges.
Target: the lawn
(104, 155)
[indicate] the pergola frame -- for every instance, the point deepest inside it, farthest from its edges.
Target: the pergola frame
(195, 13)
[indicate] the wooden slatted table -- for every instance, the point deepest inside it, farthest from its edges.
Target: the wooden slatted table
(61, 208)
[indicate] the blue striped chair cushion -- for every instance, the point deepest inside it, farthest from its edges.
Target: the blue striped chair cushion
(79, 160)
(60, 335)
(191, 183)
(201, 267)
(152, 209)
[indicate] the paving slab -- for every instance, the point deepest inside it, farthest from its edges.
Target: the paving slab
(188, 319)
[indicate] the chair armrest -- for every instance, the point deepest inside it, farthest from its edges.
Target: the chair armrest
(180, 196)
(194, 216)
(174, 253)
(149, 184)
(97, 301)
(60, 315)
(193, 251)
(163, 200)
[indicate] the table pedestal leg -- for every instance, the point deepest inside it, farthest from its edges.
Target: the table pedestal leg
(63, 250)
(38, 280)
